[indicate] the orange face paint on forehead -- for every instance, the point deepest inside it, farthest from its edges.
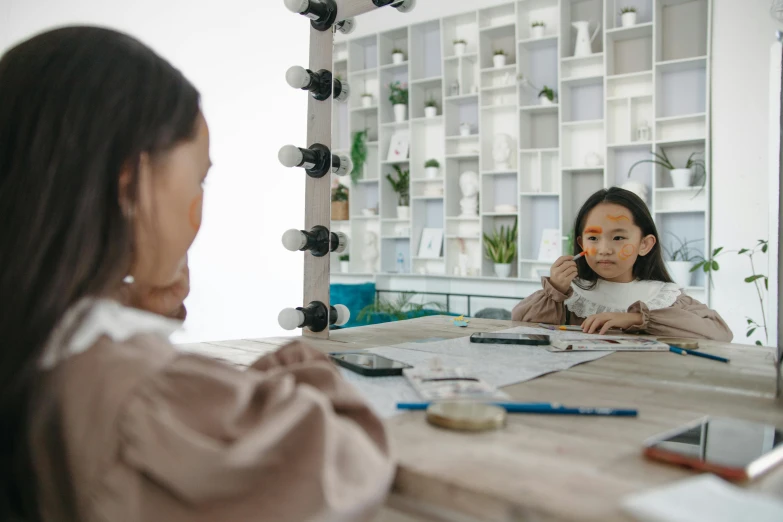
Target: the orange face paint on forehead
(618, 217)
(593, 230)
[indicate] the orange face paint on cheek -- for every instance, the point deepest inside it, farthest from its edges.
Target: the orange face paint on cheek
(194, 214)
(626, 252)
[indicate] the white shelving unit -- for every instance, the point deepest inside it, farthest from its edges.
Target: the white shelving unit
(655, 72)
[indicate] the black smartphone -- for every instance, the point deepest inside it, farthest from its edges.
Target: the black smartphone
(735, 449)
(508, 338)
(369, 364)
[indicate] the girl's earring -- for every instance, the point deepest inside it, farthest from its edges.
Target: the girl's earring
(128, 280)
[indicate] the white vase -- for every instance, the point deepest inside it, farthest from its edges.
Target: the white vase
(680, 272)
(432, 172)
(543, 100)
(398, 58)
(459, 49)
(400, 113)
(464, 129)
(403, 212)
(499, 60)
(345, 266)
(366, 101)
(430, 112)
(537, 32)
(681, 178)
(502, 269)
(628, 19)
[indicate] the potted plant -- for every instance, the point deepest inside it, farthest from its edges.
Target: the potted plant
(546, 96)
(460, 46)
(682, 177)
(464, 129)
(383, 310)
(681, 260)
(432, 169)
(431, 108)
(500, 248)
(358, 154)
(401, 186)
(398, 96)
(340, 203)
(537, 29)
(628, 16)
(367, 99)
(398, 56)
(345, 263)
(499, 58)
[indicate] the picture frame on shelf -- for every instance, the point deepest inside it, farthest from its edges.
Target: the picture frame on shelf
(431, 243)
(399, 146)
(549, 249)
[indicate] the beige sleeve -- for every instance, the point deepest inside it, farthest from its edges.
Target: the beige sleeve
(687, 317)
(545, 306)
(293, 443)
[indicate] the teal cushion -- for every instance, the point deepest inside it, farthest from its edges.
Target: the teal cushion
(355, 297)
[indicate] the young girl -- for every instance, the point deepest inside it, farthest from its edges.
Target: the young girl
(620, 280)
(103, 155)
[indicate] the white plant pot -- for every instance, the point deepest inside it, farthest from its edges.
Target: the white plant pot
(400, 113)
(430, 112)
(366, 101)
(432, 172)
(345, 266)
(543, 100)
(398, 58)
(680, 272)
(464, 130)
(459, 49)
(403, 212)
(628, 19)
(502, 269)
(681, 178)
(499, 60)
(537, 32)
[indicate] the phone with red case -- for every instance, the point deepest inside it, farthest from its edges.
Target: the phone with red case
(735, 449)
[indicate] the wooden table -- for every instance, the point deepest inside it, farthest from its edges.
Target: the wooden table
(553, 467)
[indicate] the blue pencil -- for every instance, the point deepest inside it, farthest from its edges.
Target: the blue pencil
(539, 407)
(683, 351)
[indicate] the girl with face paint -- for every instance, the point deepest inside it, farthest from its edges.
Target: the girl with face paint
(617, 279)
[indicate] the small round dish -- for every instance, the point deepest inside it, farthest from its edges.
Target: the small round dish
(688, 344)
(466, 416)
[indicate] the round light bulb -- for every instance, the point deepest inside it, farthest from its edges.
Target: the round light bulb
(290, 318)
(297, 6)
(346, 166)
(343, 314)
(406, 6)
(297, 77)
(290, 156)
(294, 240)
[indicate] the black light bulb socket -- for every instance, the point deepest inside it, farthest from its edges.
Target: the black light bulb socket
(317, 319)
(316, 160)
(320, 85)
(394, 3)
(322, 13)
(318, 241)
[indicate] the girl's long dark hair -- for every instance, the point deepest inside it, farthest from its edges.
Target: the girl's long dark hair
(77, 106)
(647, 268)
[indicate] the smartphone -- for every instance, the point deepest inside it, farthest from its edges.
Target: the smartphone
(508, 338)
(369, 364)
(734, 449)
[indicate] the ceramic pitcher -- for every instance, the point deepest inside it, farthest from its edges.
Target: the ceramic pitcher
(584, 42)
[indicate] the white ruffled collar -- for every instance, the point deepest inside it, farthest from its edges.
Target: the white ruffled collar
(618, 297)
(101, 317)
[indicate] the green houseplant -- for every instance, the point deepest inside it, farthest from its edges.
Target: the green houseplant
(537, 29)
(681, 257)
(401, 186)
(340, 203)
(682, 177)
(628, 16)
(432, 169)
(460, 45)
(499, 58)
(398, 56)
(399, 309)
(430, 108)
(501, 248)
(345, 263)
(546, 96)
(358, 154)
(398, 96)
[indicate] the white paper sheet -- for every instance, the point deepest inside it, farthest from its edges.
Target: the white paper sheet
(705, 497)
(498, 364)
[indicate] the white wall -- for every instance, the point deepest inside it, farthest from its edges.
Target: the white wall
(236, 53)
(742, 35)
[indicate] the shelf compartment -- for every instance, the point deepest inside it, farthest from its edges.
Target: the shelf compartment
(426, 61)
(630, 50)
(537, 214)
(579, 142)
(498, 189)
(363, 53)
(688, 127)
(538, 130)
(540, 43)
(547, 11)
(682, 29)
(630, 85)
(539, 172)
(634, 32)
(681, 92)
(582, 102)
(539, 67)
(582, 67)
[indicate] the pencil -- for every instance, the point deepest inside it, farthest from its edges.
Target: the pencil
(583, 253)
(540, 408)
(683, 351)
